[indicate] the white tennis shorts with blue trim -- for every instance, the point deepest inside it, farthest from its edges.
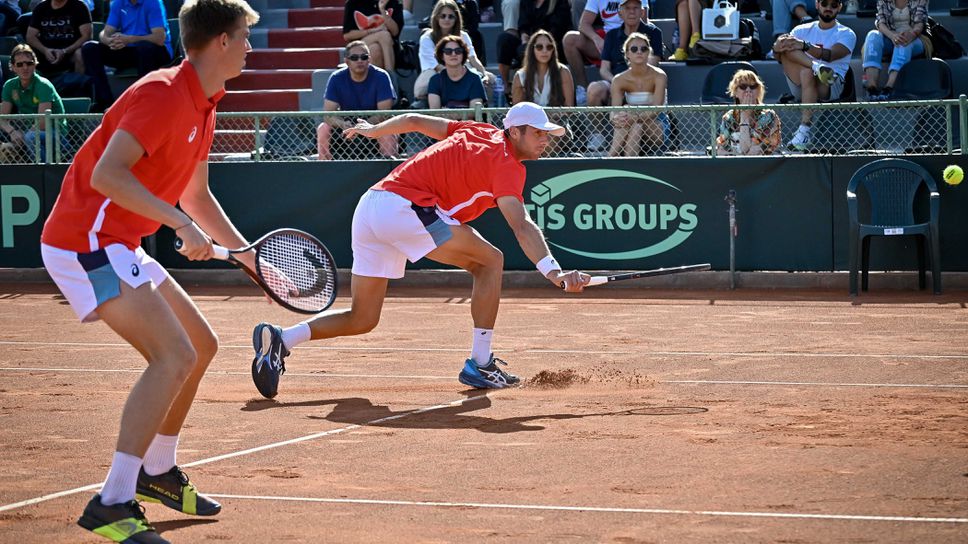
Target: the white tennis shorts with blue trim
(388, 230)
(88, 280)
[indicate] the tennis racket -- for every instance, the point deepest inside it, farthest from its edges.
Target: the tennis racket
(293, 267)
(599, 280)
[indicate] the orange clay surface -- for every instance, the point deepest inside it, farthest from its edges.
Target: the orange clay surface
(648, 416)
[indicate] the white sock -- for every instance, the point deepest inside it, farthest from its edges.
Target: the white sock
(295, 335)
(481, 347)
(122, 479)
(160, 456)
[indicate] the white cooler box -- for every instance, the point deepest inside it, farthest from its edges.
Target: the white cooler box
(721, 22)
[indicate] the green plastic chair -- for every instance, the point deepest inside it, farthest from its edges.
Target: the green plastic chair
(76, 105)
(891, 187)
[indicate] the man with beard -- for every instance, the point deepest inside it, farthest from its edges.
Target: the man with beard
(815, 59)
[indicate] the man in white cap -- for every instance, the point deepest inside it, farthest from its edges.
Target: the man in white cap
(420, 210)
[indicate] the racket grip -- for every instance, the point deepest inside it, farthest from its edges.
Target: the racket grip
(221, 253)
(597, 280)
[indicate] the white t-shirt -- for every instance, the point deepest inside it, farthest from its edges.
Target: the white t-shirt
(607, 10)
(828, 38)
(427, 48)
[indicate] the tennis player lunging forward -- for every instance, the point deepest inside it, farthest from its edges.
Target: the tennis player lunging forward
(150, 152)
(421, 210)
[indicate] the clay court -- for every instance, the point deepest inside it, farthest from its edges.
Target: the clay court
(647, 416)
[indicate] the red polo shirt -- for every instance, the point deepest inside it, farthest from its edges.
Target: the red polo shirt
(170, 116)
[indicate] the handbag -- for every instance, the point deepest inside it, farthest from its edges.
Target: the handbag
(720, 22)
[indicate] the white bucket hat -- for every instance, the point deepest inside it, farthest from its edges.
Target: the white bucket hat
(531, 114)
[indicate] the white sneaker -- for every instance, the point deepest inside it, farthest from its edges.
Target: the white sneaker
(596, 141)
(801, 140)
(581, 96)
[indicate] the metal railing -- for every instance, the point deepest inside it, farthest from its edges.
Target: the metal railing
(878, 128)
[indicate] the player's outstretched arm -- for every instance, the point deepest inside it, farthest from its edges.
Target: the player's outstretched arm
(533, 244)
(434, 127)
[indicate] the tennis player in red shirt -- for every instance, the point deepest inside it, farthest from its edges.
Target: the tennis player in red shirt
(421, 209)
(149, 153)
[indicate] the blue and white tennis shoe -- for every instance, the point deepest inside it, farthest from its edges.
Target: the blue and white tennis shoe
(487, 377)
(269, 363)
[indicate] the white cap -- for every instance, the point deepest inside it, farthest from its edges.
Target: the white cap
(531, 114)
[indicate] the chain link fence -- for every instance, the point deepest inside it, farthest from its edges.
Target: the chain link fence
(883, 128)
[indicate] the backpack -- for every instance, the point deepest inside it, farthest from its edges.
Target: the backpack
(407, 55)
(943, 43)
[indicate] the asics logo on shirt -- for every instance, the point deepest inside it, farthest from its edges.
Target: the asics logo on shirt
(191, 136)
(134, 270)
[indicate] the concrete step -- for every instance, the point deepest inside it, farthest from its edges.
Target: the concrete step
(271, 79)
(316, 17)
(327, 36)
(311, 58)
(261, 100)
(327, 4)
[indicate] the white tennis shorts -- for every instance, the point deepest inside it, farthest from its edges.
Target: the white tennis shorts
(88, 280)
(388, 230)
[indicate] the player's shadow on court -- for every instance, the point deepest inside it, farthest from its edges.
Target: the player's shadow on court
(360, 411)
(175, 524)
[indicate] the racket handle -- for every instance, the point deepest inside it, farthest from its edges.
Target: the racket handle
(597, 280)
(221, 253)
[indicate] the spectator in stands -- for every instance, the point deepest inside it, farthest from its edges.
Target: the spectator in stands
(785, 11)
(633, 20)
(897, 33)
(135, 35)
(445, 20)
(455, 86)
(358, 86)
(641, 85)
(748, 131)
(689, 20)
(545, 81)
(470, 11)
(58, 29)
(9, 12)
(586, 43)
(27, 93)
(553, 16)
(815, 59)
(378, 24)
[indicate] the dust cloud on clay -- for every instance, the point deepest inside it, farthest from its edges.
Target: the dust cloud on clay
(601, 374)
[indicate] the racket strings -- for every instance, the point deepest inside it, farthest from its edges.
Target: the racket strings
(298, 270)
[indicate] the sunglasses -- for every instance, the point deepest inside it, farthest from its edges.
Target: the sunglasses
(832, 4)
(447, 16)
(23, 63)
(355, 58)
(453, 50)
(638, 49)
(745, 87)
(544, 47)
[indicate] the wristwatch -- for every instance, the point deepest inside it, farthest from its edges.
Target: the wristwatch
(806, 45)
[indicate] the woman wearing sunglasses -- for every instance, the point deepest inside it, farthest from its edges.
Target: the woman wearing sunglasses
(553, 16)
(897, 34)
(748, 131)
(27, 93)
(641, 85)
(455, 86)
(445, 20)
(544, 81)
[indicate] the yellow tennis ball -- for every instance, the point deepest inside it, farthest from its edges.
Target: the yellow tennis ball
(953, 174)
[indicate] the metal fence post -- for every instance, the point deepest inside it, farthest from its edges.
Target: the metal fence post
(256, 124)
(713, 129)
(48, 138)
(479, 113)
(963, 122)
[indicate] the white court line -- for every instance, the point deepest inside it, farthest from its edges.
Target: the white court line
(419, 377)
(525, 350)
(786, 515)
(256, 449)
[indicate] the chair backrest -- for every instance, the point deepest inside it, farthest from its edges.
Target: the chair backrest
(7, 43)
(76, 105)
(891, 185)
(923, 79)
(718, 78)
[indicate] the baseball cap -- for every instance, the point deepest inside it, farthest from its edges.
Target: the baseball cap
(531, 114)
(623, 2)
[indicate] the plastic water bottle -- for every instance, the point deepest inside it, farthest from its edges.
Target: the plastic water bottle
(499, 101)
(851, 7)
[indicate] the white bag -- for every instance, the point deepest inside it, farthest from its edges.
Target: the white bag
(721, 22)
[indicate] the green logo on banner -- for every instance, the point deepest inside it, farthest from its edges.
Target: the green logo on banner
(19, 206)
(593, 210)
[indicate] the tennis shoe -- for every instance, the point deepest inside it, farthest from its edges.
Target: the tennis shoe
(487, 377)
(801, 140)
(124, 522)
(826, 75)
(269, 363)
(174, 490)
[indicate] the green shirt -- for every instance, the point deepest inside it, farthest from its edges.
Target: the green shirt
(26, 101)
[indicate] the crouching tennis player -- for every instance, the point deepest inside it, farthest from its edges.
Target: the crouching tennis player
(421, 209)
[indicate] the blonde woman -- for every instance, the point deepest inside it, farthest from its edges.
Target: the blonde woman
(748, 131)
(641, 85)
(445, 20)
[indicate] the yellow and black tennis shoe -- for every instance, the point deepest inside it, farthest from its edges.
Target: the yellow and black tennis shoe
(123, 522)
(175, 491)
